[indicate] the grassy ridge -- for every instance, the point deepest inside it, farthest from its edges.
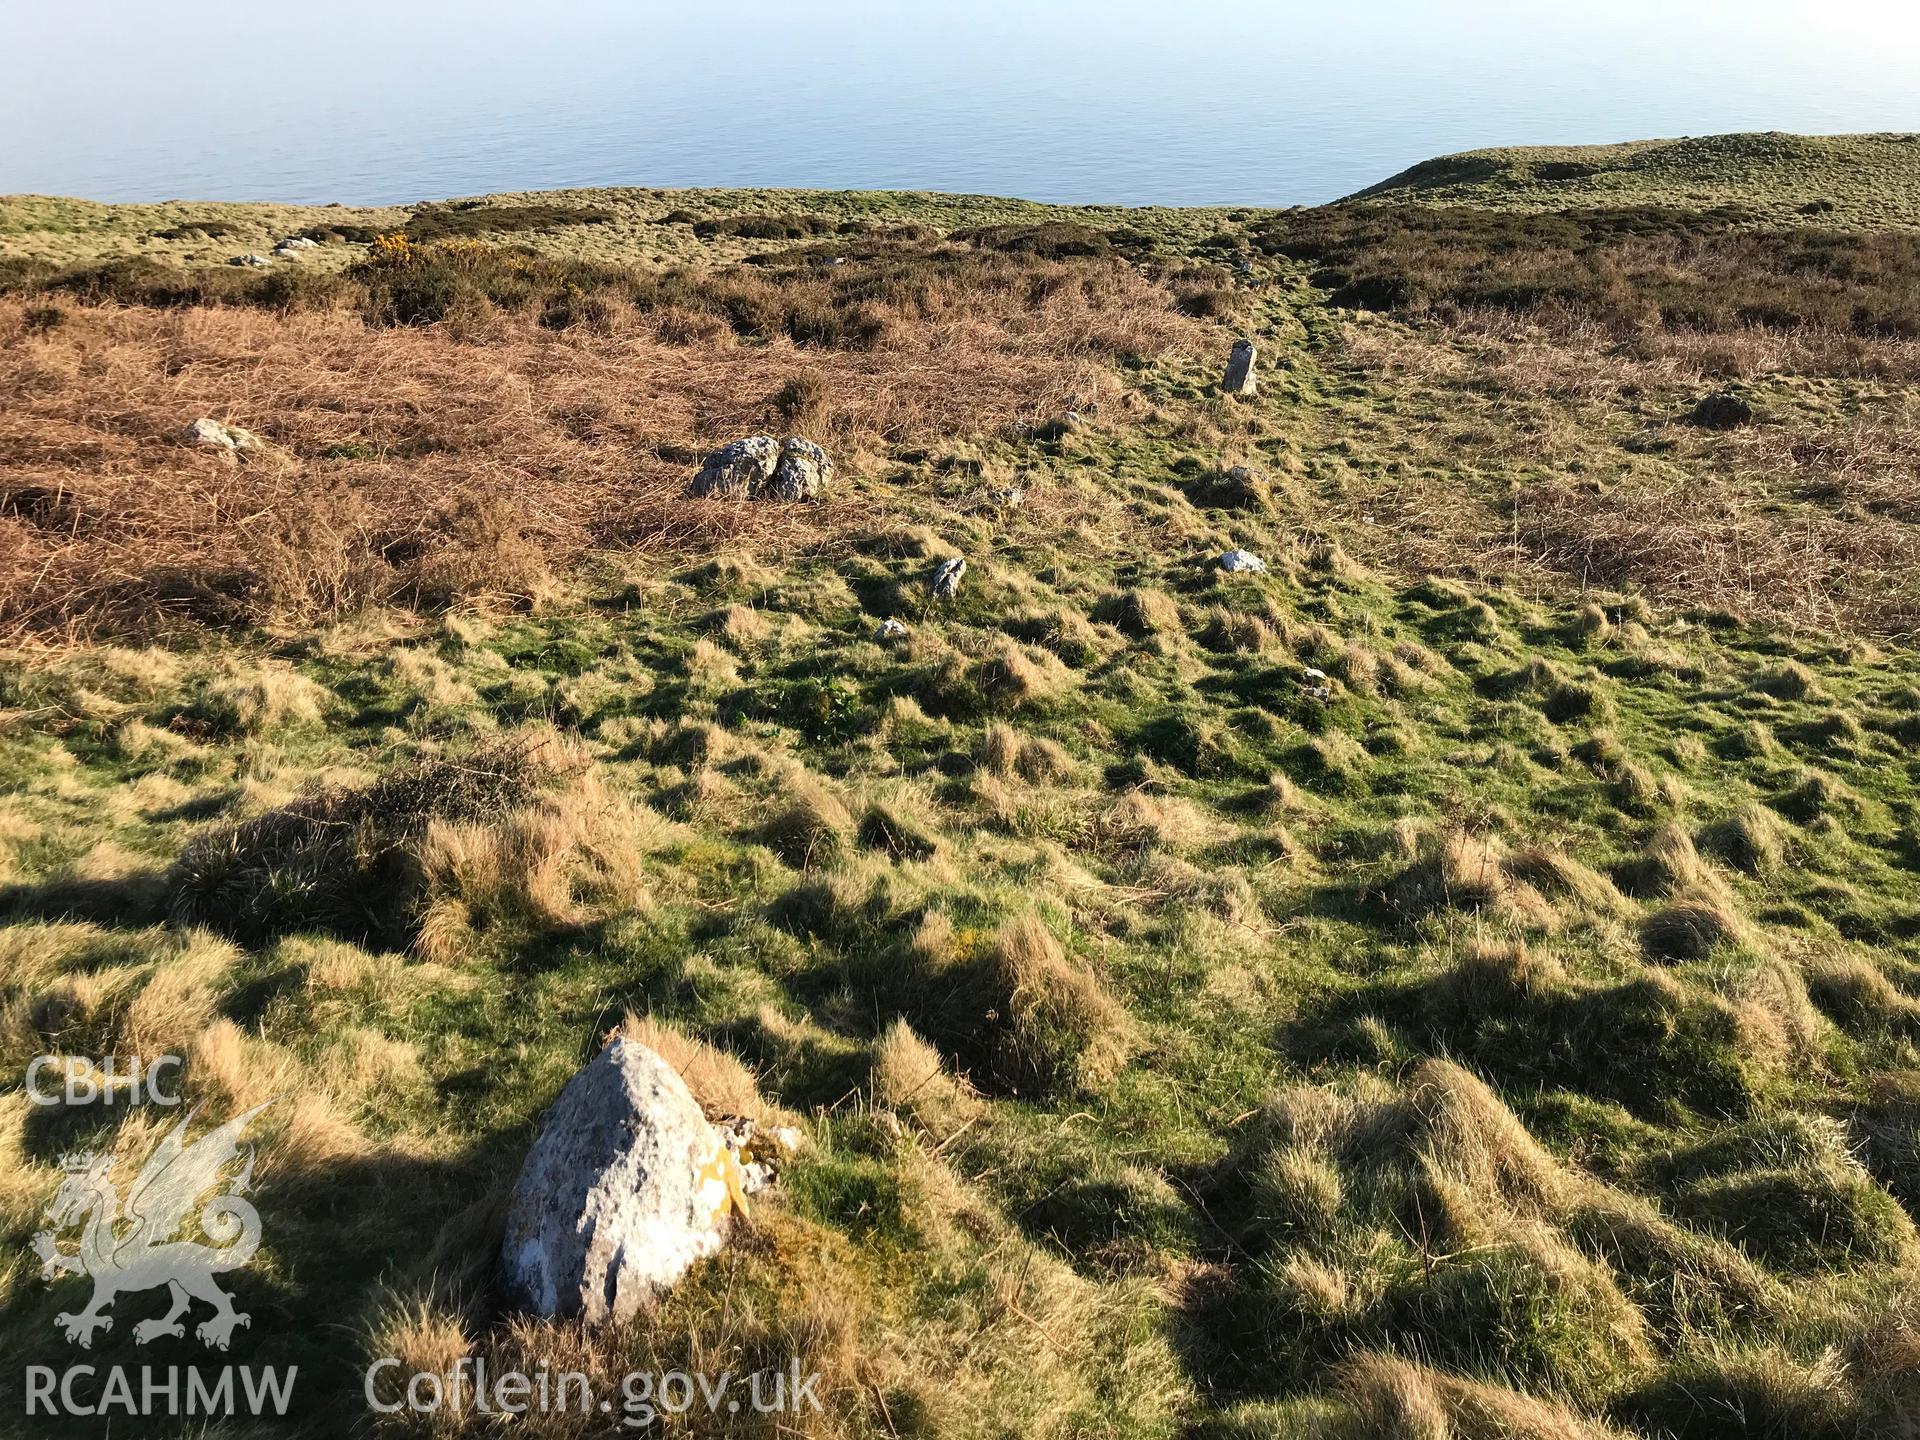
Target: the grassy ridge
(1859, 181)
(648, 226)
(1462, 981)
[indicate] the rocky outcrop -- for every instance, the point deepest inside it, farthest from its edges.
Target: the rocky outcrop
(738, 470)
(762, 468)
(803, 471)
(1240, 379)
(626, 1186)
(1241, 562)
(252, 262)
(759, 1153)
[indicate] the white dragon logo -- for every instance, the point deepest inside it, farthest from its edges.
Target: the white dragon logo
(138, 1250)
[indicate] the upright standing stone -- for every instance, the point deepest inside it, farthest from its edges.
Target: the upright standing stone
(626, 1186)
(1240, 378)
(945, 580)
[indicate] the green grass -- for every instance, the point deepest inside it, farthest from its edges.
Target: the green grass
(609, 226)
(1515, 1022)
(1246, 957)
(1857, 181)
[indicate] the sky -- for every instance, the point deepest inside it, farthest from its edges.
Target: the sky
(1099, 100)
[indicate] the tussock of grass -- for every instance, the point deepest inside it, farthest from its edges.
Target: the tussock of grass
(1340, 762)
(1492, 979)
(1690, 927)
(1050, 1022)
(1458, 870)
(1065, 1028)
(1140, 613)
(1007, 753)
(900, 826)
(1394, 1399)
(718, 1081)
(1759, 1390)
(1829, 1214)
(1671, 865)
(1485, 1195)
(1237, 487)
(428, 856)
(1237, 633)
(1752, 839)
(1590, 628)
(1788, 680)
(259, 701)
(911, 1078)
(1563, 879)
(1685, 1281)
(1818, 795)
(1859, 997)
(1139, 821)
(1279, 796)
(1014, 677)
(812, 826)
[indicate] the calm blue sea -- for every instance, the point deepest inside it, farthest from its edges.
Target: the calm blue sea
(1120, 101)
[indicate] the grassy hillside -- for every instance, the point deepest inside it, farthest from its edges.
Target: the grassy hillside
(1863, 181)
(1460, 982)
(619, 226)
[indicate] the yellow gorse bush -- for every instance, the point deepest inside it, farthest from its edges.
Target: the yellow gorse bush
(393, 249)
(397, 249)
